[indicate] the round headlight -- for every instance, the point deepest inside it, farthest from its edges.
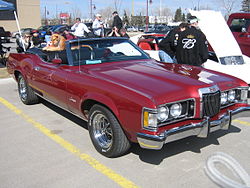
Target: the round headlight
(162, 113)
(223, 98)
(175, 110)
(231, 96)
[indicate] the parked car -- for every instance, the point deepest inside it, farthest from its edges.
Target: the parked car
(125, 96)
(239, 24)
(149, 43)
(163, 29)
(131, 29)
(16, 34)
(141, 28)
(4, 35)
(57, 27)
(43, 29)
(60, 28)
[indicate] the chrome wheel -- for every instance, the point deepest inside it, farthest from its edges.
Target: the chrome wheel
(106, 133)
(102, 131)
(26, 93)
(23, 89)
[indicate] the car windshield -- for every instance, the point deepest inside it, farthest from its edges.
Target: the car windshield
(105, 50)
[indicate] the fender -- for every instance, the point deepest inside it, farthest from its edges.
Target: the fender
(103, 99)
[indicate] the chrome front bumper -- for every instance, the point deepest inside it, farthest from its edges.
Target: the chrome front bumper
(201, 129)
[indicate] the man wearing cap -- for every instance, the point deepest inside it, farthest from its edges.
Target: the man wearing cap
(97, 26)
(192, 46)
(117, 22)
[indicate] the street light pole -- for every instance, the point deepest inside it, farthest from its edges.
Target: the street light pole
(92, 6)
(45, 13)
(90, 9)
(147, 18)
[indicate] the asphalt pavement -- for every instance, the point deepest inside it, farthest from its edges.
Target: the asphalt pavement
(44, 146)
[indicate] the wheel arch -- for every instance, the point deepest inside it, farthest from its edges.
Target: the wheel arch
(95, 98)
(16, 74)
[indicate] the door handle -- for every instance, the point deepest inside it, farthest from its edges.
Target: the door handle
(37, 68)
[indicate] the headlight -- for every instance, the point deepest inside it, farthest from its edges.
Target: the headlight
(175, 110)
(231, 96)
(150, 120)
(244, 93)
(223, 98)
(162, 113)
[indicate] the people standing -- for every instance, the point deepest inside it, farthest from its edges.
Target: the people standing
(80, 29)
(98, 26)
(168, 45)
(192, 46)
(117, 22)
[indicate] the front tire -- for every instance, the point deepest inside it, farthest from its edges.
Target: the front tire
(26, 94)
(106, 133)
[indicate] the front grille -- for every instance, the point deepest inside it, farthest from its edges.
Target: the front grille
(211, 104)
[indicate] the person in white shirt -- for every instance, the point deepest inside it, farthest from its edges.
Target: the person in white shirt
(80, 28)
(98, 26)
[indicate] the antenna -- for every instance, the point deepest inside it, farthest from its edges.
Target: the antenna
(79, 62)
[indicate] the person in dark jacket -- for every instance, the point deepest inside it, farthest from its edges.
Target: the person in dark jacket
(115, 33)
(168, 45)
(117, 22)
(192, 44)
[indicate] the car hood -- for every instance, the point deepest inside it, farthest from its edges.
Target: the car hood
(157, 80)
(239, 71)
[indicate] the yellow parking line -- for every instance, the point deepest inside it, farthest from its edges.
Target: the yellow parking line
(241, 122)
(123, 182)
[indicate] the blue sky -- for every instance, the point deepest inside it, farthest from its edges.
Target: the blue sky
(139, 5)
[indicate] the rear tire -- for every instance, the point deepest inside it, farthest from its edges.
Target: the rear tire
(26, 94)
(106, 133)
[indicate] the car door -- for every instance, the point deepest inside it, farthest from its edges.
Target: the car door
(50, 79)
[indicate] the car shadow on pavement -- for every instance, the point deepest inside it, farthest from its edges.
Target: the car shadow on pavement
(193, 144)
(65, 114)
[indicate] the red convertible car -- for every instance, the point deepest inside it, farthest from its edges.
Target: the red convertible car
(125, 96)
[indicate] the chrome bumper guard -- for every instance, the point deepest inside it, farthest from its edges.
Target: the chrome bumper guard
(201, 129)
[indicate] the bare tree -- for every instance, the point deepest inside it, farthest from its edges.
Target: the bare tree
(76, 13)
(165, 12)
(107, 14)
(228, 5)
(117, 5)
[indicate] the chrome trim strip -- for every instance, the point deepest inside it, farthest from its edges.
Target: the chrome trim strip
(202, 129)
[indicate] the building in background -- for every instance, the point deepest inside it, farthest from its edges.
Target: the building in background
(64, 18)
(28, 12)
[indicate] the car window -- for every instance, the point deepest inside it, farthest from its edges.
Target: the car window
(101, 51)
(238, 24)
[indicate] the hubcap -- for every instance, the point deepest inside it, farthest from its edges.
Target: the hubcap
(102, 131)
(22, 89)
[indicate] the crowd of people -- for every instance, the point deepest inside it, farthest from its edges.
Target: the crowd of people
(186, 44)
(78, 30)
